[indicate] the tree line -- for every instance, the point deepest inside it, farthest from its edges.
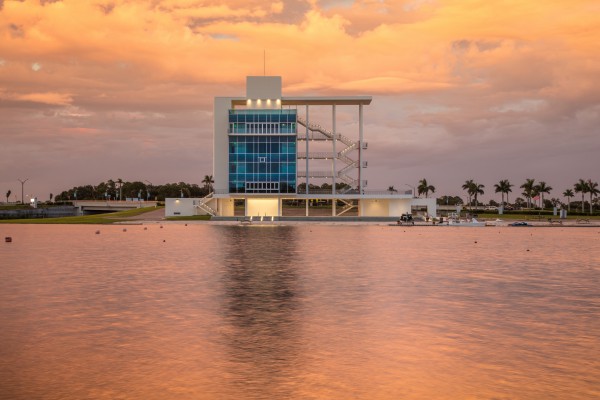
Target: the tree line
(533, 194)
(121, 190)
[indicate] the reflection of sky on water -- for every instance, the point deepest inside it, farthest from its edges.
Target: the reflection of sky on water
(307, 311)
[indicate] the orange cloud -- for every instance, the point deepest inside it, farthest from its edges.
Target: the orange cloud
(57, 99)
(407, 42)
(457, 69)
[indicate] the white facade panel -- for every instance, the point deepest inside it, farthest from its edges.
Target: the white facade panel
(226, 207)
(220, 144)
(374, 207)
(399, 207)
(179, 207)
(263, 87)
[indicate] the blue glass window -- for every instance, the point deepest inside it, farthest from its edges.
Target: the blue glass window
(262, 151)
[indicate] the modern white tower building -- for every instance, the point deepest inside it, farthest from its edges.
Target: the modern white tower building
(268, 148)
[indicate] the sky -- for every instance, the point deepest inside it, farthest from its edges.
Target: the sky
(462, 89)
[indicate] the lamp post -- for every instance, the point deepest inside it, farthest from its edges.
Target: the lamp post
(22, 189)
(412, 187)
(148, 187)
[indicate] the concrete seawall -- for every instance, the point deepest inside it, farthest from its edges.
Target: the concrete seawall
(51, 212)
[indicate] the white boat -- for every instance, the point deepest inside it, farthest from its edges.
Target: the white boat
(465, 222)
(497, 222)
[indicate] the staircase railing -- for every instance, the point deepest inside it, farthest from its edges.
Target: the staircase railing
(348, 179)
(316, 174)
(348, 205)
(205, 207)
(316, 155)
(325, 132)
(341, 155)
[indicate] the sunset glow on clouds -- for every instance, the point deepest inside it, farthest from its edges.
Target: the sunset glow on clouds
(463, 89)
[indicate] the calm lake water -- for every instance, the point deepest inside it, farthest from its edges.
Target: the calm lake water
(299, 312)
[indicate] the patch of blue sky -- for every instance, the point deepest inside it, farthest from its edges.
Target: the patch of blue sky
(330, 4)
(224, 36)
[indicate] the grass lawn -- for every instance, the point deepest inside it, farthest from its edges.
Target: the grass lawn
(109, 218)
(15, 207)
(534, 217)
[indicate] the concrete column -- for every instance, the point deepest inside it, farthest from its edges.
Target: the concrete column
(307, 133)
(360, 145)
(334, 148)
(334, 166)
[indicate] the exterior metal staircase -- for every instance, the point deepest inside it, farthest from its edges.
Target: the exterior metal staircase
(348, 205)
(316, 156)
(205, 207)
(327, 133)
(317, 132)
(316, 174)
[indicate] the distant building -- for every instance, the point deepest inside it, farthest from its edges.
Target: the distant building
(267, 148)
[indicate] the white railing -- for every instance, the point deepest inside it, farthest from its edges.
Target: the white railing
(341, 155)
(316, 155)
(348, 179)
(348, 205)
(327, 133)
(312, 136)
(205, 207)
(316, 174)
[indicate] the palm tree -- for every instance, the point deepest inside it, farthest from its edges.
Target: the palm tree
(528, 190)
(208, 181)
(581, 187)
(424, 187)
(593, 191)
(473, 189)
(8, 195)
(51, 195)
(392, 189)
(540, 189)
(477, 189)
(468, 185)
(503, 187)
(568, 194)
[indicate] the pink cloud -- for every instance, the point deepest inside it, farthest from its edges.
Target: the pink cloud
(59, 99)
(135, 82)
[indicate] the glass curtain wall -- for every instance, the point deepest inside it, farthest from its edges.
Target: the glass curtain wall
(262, 151)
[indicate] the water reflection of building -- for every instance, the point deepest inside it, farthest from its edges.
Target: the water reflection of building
(261, 301)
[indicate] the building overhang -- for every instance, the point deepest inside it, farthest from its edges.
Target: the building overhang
(321, 196)
(314, 101)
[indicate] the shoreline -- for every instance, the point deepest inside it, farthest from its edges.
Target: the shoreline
(505, 224)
